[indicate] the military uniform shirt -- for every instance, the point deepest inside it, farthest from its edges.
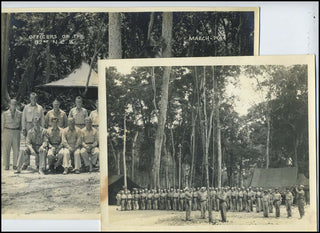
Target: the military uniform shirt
(62, 116)
(35, 138)
(54, 136)
(71, 139)
(10, 121)
(79, 115)
(289, 196)
(29, 112)
(90, 136)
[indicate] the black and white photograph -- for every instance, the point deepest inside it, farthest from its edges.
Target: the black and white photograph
(49, 92)
(209, 143)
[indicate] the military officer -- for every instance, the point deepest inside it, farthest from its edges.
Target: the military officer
(129, 200)
(118, 197)
(188, 202)
(176, 200)
(123, 200)
(195, 199)
(29, 112)
(10, 130)
(58, 113)
(240, 199)
(222, 197)
(249, 199)
(149, 200)
(300, 200)
(79, 113)
(265, 202)
(203, 201)
(271, 201)
(258, 200)
(53, 138)
(71, 142)
(136, 200)
(277, 202)
(35, 145)
(90, 141)
(156, 200)
(289, 201)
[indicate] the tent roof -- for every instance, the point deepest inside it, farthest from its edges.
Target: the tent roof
(302, 180)
(275, 177)
(113, 179)
(77, 78)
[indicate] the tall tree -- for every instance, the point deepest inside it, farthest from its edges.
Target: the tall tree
(115, 49)
(167, 36)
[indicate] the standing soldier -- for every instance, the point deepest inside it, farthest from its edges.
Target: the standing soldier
(90, 142)
(143, 200)
(222, 197)
(301, 200)
(169, 199)
(245, 199)
(10, 130)
(181, 200)
(149, 200)
(289, 201)
(156, 200)
(198, 205)
(240, 199)
(195, 199)
(277, 202)
(123, 200)
(214, 197)
(54, 145)
(258, 200)
(203, 201)
(233, 198)
(79, 113)
(176, 200)
(71, 142)
(265, 203)
(249, 199)
(188, 202)
(94, 115)
(161, 200)
(35, 145)
(118, 197)
(228, 193)
(129, 200)
(136, 200)
(165, 197)
(58, 113)
(271, 201)
(29, 112)
(261, 195)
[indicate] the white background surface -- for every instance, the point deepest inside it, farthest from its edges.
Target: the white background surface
(285, 28)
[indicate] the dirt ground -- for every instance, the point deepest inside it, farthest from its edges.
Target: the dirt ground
(30, 193)
(177, 218)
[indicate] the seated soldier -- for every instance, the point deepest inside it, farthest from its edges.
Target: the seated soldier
(71, 141)
(90, 141)
(54, 146)
(35, 144)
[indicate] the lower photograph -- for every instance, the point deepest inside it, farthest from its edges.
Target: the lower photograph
(208, 143)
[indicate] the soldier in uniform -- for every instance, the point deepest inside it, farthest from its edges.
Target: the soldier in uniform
(289, 201)
(195, 199)
(213, 197)
(165, 197)
(258, 200)
(170, 199)
(161, 198)
(58, 113)
(265, 202)
(182, 200)
(176, 200)
(90, 141)
(188, 202)
(79, 113)
(240, 199)
(94, 115)
(249, 199)
(277, 202)
(123, 200)
(118, 198)
(129, 200)
(245, 199)
(222, 197)
(71, 142)
(271, 201)
(143, 200)
(198, 200)
(228, 193)
(300, 200)
(149, 200)
(203, 201)
(155, 200)
(136, 200)
(10, 129)
(35, 145)
(234, 199)
(29, 112)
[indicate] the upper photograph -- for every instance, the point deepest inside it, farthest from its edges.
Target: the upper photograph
(49, 91)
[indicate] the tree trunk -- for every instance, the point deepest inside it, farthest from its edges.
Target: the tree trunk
(124, 152)
(219, 143)
(173, 158)
(133, 153)
(213, 105)
(268, 141)
(167, 35)
(5, 31)
(115, 49)
(296, 144)
(193, 144)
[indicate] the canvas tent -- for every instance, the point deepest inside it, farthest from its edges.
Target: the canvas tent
(278, 178)
(77, 78)
(115, 184)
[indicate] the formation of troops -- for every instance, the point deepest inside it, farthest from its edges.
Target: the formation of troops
(55, 139)
(223, 199)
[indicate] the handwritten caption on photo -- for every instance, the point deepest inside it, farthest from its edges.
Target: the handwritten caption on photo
(65, 39)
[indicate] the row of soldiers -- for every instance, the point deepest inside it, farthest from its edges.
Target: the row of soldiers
(54, 139)
(222, 199)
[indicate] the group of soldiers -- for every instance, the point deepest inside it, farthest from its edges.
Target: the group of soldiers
(222, 199)
(54, 139)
